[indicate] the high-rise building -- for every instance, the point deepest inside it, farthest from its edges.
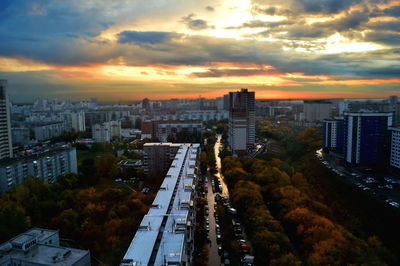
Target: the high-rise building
(106, 131)
(367, 138)
(226, 102)
(333, 134)
(241, 121)
(395, 147)
(76, 120)
(158, 157)
(5, 126)
(146, 104)
(317, 110)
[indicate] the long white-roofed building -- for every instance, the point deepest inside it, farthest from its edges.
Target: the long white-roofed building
(165, 235)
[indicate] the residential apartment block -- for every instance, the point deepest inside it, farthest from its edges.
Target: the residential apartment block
(165, 235)
(47, 165)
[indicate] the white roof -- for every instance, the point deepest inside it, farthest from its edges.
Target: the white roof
(173, 236)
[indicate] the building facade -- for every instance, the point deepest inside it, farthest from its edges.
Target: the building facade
(47, 165)
(333, 134)
(395, 147)
(75, 120)
(49, 130)
(6, 150)
(158, 157)
(367, 138)
(20, 135)
(107, 131)
(241, 121)
(317, 110)
(162, 129)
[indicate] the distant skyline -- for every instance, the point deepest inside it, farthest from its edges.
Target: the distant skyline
(128, 50)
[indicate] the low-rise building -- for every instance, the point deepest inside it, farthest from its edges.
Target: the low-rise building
(40, 246)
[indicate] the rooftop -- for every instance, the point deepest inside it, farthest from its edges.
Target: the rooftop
(168, 216)
(47, 152)
(44, 255)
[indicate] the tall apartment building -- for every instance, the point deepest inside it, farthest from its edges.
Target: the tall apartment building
(395, 147)
(317, 110)
(39, 246)
(333, 134)
(5, 126)
(106, 131)
(367, 138)
(75, 120)
(166, 234)
(44, 131)
(158, 157)
(241, 121)
(47, 165)
(161, 129)
(20, 135)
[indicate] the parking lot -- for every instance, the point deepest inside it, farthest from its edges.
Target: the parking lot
(383, 185)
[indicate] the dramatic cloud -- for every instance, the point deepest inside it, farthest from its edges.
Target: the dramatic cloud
(149, 37)
(195, 24)
(161, 47)
(210, 8)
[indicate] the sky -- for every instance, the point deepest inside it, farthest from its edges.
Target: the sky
(124, 50)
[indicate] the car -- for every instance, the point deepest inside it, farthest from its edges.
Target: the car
(219, 239)
(219, 250)
(207, 221)
(206, 212)
(208, 239)
(242, 241)
(208, 228)
(216, 218)
(232, 211)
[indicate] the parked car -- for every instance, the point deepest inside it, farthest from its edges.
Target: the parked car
(219, 250)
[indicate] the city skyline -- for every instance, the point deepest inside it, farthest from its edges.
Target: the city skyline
(182, 49)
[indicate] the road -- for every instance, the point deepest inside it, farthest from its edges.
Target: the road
(217, 147)
(213, 257)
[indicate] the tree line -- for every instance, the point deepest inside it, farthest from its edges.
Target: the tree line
(86, 208)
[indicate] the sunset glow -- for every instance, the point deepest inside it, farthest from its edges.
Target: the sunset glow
(281, 49)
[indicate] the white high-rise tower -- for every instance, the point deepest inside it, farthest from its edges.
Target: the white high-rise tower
(5, 126)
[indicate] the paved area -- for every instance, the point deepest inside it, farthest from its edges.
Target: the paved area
(213, 258)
